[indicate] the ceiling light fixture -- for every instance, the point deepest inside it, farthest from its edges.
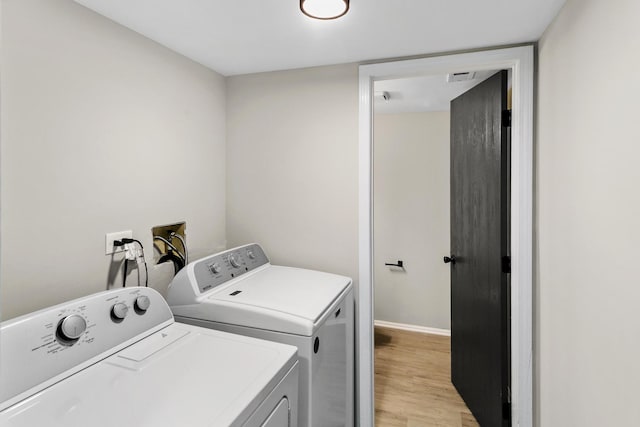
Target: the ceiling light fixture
(324, 9)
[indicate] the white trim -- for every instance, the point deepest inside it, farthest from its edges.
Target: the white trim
(364, 297)
(412, 328)
(520, 61)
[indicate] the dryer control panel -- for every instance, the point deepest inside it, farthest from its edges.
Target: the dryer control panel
(48, 345)
(217, 269)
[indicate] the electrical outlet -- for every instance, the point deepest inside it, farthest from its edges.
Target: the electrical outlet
(111, 237)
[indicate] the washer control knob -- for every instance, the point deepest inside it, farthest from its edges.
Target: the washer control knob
(233, 261)
(71, 328)
(215, 268)
(142, 303)
(250, 254)
(119, 311)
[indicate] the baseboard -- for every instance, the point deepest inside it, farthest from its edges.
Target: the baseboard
(412, 328)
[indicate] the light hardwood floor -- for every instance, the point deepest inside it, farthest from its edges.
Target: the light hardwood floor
(413, 381)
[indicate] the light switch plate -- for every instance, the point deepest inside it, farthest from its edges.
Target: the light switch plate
(109, 239)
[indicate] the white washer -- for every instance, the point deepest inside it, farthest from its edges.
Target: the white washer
(239, 291)
(117, 358)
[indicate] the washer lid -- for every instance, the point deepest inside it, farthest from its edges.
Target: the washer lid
(284, 299)
(201, 377)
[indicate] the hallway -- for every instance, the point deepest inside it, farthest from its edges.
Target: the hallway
(412, 381)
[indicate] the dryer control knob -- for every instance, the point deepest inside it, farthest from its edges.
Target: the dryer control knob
(250, 254)
(214, 268)
(119, 311)
(142, 303)
(71, 328)
(233, 261)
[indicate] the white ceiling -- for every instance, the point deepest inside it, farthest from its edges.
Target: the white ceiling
(424, 93)
(240, 37)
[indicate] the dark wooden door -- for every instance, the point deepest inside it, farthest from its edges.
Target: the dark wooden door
(480, 169)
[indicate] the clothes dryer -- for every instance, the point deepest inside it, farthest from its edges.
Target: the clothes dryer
(117, 358)
(239, 291)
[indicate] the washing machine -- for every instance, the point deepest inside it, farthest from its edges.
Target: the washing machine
(239, 291)
(117, 358)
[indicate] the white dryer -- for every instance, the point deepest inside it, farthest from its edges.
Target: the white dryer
(239, 291)
(117, 358)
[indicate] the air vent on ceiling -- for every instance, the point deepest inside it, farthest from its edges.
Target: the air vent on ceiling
(461, 77)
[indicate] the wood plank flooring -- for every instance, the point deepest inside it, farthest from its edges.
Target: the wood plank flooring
(413, 382)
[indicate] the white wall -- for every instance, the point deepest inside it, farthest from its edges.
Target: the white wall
(102, 130)
(292, 163)
(411, 218)
(588, 208)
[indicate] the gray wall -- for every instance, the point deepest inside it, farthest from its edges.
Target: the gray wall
(102, 130)
(292, 164)
(411, 218)
(587, 209)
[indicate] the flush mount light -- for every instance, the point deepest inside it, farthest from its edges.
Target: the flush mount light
(324, 9)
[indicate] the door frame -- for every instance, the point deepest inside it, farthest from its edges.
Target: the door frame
(521, 62)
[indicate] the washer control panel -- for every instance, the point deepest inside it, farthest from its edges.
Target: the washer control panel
(55, 341)
(217, 269)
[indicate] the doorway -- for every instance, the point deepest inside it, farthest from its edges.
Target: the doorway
(520, 61)
(412, 208)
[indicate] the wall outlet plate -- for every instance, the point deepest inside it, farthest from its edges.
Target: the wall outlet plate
(109, 239)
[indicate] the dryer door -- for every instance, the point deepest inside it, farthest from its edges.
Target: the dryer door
(279, 417)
